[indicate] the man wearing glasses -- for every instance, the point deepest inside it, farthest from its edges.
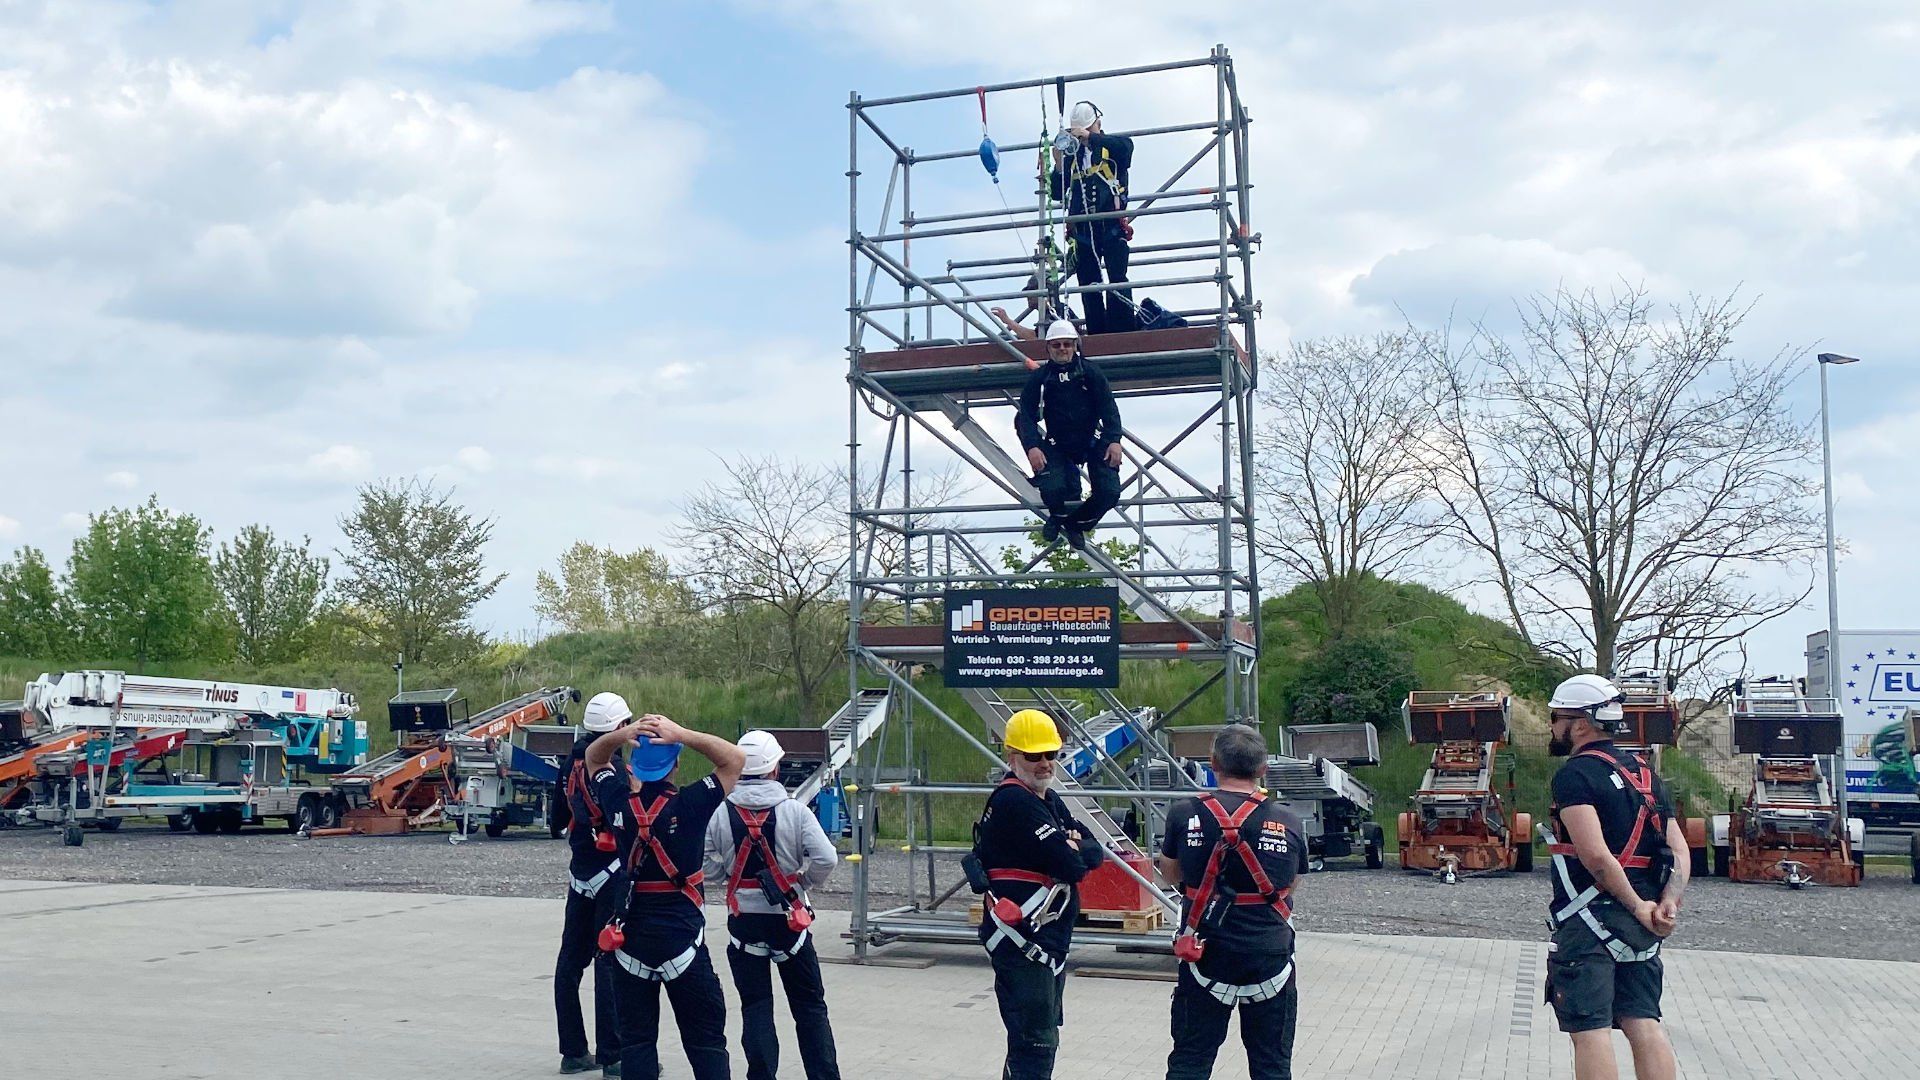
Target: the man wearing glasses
(1616, 884)
(1028, 856)
(1081, 420)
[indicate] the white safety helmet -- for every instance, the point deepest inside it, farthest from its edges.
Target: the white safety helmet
(605, 712)
(1062, 330)
(1083, 115)
(1592, 694)
(763, 753)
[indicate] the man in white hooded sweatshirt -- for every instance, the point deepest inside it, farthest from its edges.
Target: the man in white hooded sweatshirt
(770, 850)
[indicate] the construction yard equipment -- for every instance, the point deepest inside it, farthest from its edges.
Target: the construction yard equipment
(1653, 724)
(1311, 777)
(1789, 830)
(1457, 823)
(104, 739)
(421, 782)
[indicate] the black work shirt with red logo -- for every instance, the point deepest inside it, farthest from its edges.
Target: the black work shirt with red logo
(1279, 844)
(666, 920)
(1023, 831)
(1589, 781)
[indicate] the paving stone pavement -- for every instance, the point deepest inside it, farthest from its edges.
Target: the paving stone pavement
(221, 984)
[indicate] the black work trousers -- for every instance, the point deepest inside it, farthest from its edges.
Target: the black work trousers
(699, 1010)
(579, 947)
(1030, 997)
(1200, 1024)
(1098, 243)
(806, 998)
(1059, 485)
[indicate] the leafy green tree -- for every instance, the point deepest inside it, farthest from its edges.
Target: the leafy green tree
(35, 619)
(415, 568)
(272, 591)
(602, 589)
(1361, 677)
(142, 587)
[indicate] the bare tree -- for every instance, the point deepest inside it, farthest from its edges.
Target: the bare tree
(1338, 466)
(1626, 478)
(768, 546)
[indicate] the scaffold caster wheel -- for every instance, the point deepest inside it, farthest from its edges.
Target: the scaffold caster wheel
(74, 835)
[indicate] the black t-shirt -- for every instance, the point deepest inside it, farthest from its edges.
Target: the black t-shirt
(1021, 831)
(1277, 839)
(573, 809)
(660, 924)
(1589, 781)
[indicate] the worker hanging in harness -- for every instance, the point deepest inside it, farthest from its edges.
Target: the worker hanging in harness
(659, 937)
(1090, 177)
(1028, 856)
(1236, 854)
(1081, 419)
(1616, 884)
(771, 850)
(595, 884)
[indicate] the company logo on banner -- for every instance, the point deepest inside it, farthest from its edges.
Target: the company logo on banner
(1033, 637)
(1879, 682)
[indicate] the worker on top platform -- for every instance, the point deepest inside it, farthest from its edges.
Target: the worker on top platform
(770, 851)
(1616, 885)
(659, 937)
(1068, 417)
(1090, 177)
(1235, 854)
(1028, 857)
(595, 878)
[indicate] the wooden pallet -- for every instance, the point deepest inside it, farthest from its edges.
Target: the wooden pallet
(1127, 922)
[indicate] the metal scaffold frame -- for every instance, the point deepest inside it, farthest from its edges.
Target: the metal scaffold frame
(1186, 512)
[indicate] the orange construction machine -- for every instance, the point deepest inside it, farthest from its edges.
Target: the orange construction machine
(1653, 723)
(1457, 823)
(419, 783)
(1789, 830)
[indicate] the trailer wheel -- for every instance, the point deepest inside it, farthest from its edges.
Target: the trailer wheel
(1376, 844)
(178, 823)
(1697, 862)
(306, 813)
(1523, 857)
(330, 812)
(204, 823)
(74, 835)
(1722, 860)
(230, 820)
(496, 829)
(1913, 852)
(111, 824)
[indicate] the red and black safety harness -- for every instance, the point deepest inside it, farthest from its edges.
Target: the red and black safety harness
(1643, 845)
(603, 838)
(1190, 946)
(1017, 922)
(792, 897)
(647, 848)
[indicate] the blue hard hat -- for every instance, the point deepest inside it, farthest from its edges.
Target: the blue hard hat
(653, 760)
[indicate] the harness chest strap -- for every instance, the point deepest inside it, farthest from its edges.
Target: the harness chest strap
(643, 818)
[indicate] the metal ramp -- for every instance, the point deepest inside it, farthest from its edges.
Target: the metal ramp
(838, 740)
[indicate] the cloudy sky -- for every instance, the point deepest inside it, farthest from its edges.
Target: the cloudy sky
(561, 254)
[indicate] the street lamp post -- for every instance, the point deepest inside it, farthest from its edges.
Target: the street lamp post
(1833, 599)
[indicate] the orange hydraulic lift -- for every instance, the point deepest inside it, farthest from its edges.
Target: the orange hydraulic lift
(1789, 830)
(1457, 822)
(414, 785)
(1653, 720)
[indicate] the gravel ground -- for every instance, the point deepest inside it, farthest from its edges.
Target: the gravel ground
(1878, 921)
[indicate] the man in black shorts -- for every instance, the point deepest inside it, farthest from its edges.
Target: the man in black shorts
(1616, 885)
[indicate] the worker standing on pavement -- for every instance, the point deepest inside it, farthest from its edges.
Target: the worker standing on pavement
(1235, 853)
(1073, 402)
(1028, 857)
(659, 938)
(1616, 885)
(595, 882)
(770, 851)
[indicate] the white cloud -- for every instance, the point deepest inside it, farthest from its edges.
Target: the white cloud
(340, 460)
(73, 520)
(121, 478)
(474, 459)
(9, 528)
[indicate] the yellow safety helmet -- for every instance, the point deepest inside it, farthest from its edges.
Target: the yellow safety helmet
(1031, 731)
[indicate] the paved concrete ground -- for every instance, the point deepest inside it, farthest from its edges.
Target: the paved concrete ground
(138, 981)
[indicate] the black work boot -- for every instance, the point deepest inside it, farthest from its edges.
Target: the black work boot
(1077, 539)
(612, 1070)
(1051, 530)
(580, 1064)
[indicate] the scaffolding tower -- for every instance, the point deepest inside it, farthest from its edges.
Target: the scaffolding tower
(929, 365)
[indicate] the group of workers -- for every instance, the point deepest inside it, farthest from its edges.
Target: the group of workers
(641, 849)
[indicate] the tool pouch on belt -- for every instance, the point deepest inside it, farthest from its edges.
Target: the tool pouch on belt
(976, 873)
(1218, 905)
(1623, 926)
(770, 888)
